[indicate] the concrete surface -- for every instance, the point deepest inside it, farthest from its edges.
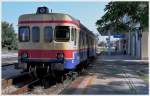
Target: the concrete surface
(145, 45)
(116, 74)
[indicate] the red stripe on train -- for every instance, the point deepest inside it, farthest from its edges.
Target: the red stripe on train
(49, 21)
(46, 53)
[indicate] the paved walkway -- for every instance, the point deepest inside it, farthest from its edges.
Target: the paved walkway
(116, 74)
(9, 55)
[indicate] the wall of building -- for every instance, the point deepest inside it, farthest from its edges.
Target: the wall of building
(144, 45)
(133, 45)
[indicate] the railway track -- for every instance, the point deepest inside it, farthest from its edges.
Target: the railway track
(21, 87)
(6, 64)
(9, 61)
(18, 84)
(25, 84)
(25, 88)
(13, 79)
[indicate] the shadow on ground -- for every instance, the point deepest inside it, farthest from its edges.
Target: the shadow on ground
(116, 66)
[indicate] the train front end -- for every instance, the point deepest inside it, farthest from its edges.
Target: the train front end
(47, 41)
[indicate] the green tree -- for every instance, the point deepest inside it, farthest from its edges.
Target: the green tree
(138, 11)
(9, 38)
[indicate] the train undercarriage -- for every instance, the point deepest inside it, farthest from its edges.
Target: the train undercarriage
(58, 73)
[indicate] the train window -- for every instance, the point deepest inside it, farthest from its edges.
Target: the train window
(75, 36)
(48, 34)
(35, 34)
(83, 39)
(24, 34)
(72, 34)
(62, 33)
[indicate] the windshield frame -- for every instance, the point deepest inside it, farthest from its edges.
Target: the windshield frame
(62, 40)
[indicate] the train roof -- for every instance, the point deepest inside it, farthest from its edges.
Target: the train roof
(54, 16)
(57, 16)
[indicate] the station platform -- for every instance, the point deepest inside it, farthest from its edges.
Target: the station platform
(115, 74)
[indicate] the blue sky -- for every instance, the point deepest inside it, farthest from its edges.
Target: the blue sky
(87, 12)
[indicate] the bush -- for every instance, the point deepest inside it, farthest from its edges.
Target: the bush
(9, 37)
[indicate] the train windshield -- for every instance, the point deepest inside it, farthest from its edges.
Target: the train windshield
(24, 34)
(62, 33)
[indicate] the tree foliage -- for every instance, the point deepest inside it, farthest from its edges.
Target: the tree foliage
(9, 38)
(138, 11)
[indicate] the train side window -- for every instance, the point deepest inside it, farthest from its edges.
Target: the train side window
(35, 34)
(48, 34)
(89, 42)
(83, 39)
(82, 42)
(79, 39)
(24, 34)
(73, 35)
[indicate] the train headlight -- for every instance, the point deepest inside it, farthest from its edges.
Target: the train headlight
(42, 10)
(24, 55)
(60, 55)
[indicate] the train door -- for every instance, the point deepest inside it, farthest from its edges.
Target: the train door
(47, 39)
(36, 41)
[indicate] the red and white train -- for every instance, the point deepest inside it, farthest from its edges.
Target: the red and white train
(53, 42)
